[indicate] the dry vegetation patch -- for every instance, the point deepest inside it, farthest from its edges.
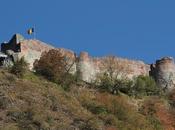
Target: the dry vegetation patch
(34, 103)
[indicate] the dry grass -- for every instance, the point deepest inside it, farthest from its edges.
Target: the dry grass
(33, 103)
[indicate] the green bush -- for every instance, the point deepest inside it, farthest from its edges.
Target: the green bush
(20, 67)
(68, 80)
(105, 83)
(155, 122)
(145, 86)
(124, 86)
(94, 107)
(115, 85)
(140, 86)
(171, 97)
(97, 109)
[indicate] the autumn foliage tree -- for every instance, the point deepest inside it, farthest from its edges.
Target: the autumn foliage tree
(54, 66)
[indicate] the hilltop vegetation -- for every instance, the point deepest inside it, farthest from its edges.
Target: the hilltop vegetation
(34, 101)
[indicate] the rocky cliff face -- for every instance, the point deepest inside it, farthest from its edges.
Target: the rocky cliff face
(89, 67)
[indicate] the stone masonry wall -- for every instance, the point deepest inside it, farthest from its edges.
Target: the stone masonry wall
(164, 72)
(89, 67)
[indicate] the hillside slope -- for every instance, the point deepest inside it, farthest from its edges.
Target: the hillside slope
(33, 103)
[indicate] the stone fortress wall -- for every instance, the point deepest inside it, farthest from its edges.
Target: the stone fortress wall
(89, 67)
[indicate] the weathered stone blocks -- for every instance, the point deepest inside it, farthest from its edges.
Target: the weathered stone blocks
(164, 72)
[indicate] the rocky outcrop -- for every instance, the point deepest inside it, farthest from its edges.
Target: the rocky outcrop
(89, 67)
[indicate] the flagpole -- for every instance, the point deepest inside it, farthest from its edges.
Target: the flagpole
(34, 33)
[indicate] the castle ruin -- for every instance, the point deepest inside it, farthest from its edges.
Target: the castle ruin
(163, 71)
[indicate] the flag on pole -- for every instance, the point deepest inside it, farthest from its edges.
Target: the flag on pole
(30, 31)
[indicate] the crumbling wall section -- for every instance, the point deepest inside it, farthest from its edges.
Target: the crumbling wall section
(13, 44)
(88, 68)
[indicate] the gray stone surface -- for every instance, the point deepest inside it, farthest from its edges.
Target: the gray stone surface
(164, 72)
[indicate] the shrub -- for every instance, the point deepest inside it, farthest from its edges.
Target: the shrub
(109, 119)
(140, 86)
(54, 66)
(151, 109)
(171, 97)
(50, 65)
(145, 86)
(105, 83)
(20, 67)
(123, 85)
(123, 113)
(96, 109)
(114, 85)
(92, 124)
(155, 123)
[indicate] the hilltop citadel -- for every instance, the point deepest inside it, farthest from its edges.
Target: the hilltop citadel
(163, 70)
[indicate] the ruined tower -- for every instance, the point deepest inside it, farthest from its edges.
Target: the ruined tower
(85, 67)
(19, 47)
(164, 72)
(13, 44)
